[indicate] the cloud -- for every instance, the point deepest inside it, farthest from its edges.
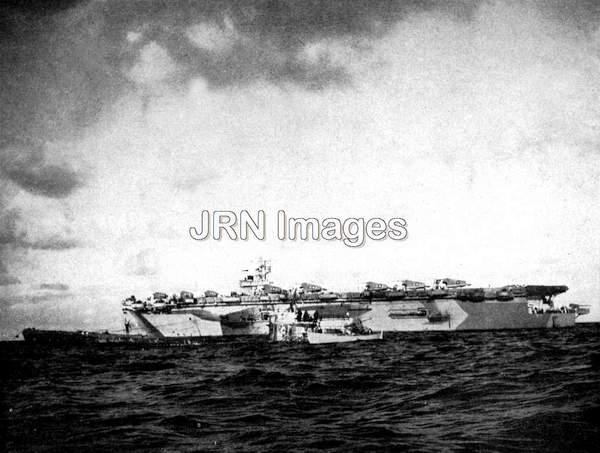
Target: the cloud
(5, 278)
(67, 63)
(134, 36)
(54, 286)
(54, 242)
(191, 182)
(337, 52)
(47, 180)
(235, 44)
(58, 71)
(34, 299)
(30, 187)
(8, 226)
(26, 166)
(153, 66)
(250, 62)
(213, 37)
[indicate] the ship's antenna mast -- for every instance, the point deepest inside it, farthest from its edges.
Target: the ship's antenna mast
(264, 269)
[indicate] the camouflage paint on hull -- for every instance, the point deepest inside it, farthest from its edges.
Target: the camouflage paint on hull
(459, 315)
(191, 323)
(387, 316)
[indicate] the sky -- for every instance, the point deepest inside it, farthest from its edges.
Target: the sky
(476, 122)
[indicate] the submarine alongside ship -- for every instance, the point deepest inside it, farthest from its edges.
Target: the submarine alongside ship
(261, 308)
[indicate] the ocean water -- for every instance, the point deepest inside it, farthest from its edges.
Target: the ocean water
(487, 391)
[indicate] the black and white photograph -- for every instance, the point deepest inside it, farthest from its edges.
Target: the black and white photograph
(299, 225)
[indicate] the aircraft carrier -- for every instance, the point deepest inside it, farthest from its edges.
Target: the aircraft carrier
(446, 305)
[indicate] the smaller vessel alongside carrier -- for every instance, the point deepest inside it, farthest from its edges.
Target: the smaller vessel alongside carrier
(306, 327)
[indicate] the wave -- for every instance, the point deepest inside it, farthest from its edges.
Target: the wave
(510, 391)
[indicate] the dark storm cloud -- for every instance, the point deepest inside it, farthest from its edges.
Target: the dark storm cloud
(50, 181)
(56, 74)
(47, 180)
(64, 62)
(581, 14)
(271, 35)
(24, 163)
(248, 61)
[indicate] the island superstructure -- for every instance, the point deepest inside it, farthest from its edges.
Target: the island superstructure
(448, 304)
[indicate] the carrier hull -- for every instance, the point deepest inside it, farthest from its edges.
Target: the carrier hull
(386, 316)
